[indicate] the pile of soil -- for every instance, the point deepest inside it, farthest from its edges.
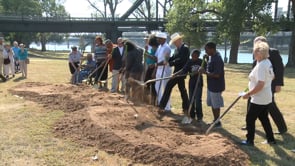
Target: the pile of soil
(137, 132)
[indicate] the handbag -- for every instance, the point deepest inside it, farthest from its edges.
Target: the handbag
(6, 61)
(27, 61)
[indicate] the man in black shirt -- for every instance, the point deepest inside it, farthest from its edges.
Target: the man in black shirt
(178, 60)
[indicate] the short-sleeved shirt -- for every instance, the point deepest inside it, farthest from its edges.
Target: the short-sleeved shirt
(150, 60)
(215, 65)
(193, 66)
(75, 57)
(162, 52)
(15, 50)
(23, 55)
(263, 71)
(100, 53)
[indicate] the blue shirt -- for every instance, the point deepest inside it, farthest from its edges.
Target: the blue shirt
(22, 55)
(15, 50)
(150, 60)
(215, 65)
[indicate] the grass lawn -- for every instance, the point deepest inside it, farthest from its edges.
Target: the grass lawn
(26, 128)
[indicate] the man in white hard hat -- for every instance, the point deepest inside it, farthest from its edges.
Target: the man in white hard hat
(163, 68)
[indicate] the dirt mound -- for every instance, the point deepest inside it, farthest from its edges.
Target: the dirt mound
(106, 120)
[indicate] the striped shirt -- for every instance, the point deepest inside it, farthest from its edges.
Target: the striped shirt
(100, 53)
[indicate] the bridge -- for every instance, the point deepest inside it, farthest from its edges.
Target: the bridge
(70, 24)
(113, 27)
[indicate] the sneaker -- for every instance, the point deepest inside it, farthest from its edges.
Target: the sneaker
(280, 132)
(247, 143)
(199, 119)
(244, 128)
(293, 150)
(269, 142)
(95, 86)
(218, 125)
(186, 120)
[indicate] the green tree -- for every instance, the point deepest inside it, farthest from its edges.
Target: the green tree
(291, 57)
(51, 8)
(234, 17)
(21, 8)
(48, 8)
(190, 25)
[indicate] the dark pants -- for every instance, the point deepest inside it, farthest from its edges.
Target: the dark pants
(104, 74)
(197, 103)
(150, 87)
(261, 112)
(72, 69)
(275, 114)
(168, 89)
(133, 89)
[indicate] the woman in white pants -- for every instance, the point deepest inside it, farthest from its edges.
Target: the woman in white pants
(8, 68)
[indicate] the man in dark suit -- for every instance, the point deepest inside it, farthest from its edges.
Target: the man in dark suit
(278, 68)
(117, 58)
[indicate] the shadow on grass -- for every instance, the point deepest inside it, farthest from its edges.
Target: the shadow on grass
(18, 79)
(290, 72)
(257, 156)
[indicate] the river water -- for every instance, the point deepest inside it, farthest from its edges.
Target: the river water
(242, 56)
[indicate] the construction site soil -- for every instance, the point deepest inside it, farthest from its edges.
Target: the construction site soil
(134, 131)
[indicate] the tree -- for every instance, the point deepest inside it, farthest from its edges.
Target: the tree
(51, 8)
(234, 17)
(48, 8)
(112, 4)
(291, 57)
(186, 23)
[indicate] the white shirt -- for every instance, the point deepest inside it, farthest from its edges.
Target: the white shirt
(263, 71)
(162, 53)
(121, 50)
(75, 57)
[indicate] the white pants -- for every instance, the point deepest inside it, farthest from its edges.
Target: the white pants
(1, 64)
(160, 85)
(23, 67)
(12, 66)
(6, 69)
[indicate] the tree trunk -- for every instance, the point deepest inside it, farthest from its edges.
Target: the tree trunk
(43, 42)
(291, 57)
(235, 42)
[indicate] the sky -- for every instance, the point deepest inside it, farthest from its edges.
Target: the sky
(81, 8)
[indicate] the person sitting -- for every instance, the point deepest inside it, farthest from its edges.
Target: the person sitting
(87, 68)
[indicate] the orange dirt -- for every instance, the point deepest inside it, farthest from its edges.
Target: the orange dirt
(138, 132)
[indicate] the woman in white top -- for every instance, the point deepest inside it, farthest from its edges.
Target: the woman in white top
(74, 62)
(260, 92)
(9, 67)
